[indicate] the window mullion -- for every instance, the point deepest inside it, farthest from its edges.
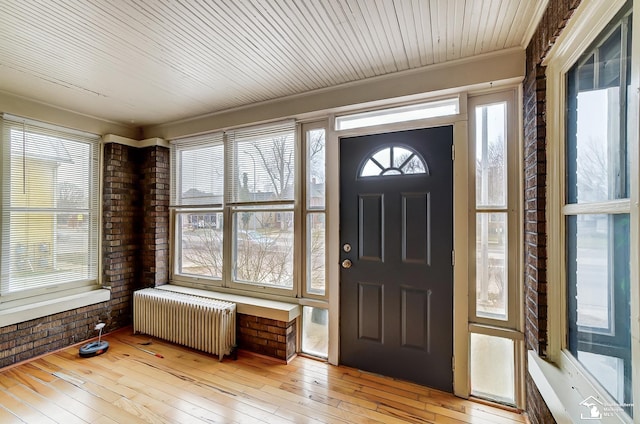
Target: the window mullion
(227, 233)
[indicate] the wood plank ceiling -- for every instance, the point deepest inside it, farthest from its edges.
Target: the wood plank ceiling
(143, 62)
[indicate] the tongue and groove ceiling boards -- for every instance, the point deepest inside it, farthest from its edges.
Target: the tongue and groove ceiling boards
(145, 62)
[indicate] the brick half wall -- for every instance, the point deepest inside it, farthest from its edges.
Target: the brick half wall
(266, 336)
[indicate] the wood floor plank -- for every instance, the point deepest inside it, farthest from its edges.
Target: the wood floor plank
(380, 393)
(133, 400)
(32, 380)
(192, 410)
(408, 414)
(382, 386)
(128, 385)
(8, 417)
(352, 409)
(21, 409)
(97, 403)
(104, 420)
(50, 409)
(222, 402)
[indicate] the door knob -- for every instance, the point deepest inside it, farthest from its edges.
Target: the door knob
(346, 264)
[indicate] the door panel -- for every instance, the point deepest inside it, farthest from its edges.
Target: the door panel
(370, 315)
(416, 332)
(396, 298)
(371, 227)
(416, 231)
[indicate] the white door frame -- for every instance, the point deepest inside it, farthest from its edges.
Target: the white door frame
(460, 362)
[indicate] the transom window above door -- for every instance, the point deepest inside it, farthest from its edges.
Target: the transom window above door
(393, 160)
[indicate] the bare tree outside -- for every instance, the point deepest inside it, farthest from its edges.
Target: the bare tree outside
(316, 270)
(592, 174)
(491, 227)
(408, 162)
(264, 257)
(262, 243)
(277, 161)
(316, 186)
(201, 246)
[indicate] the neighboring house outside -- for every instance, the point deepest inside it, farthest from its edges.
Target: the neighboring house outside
(34, 173)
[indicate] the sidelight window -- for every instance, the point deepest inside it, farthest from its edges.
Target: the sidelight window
(494, 216)
(495, 328)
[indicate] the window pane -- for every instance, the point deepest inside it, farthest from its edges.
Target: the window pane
(398, 114)
(393, 161)
(263, 248)
(597, 155)
(599, 298)
(596, 130)
(48, 249)
(50, 209)
(315, 331)
(383, 157)
(199, 250)
(491, 265)
(491, 150)
(201, 176)
(412, 164)
(588, 242)
(609, 62)
(316, 274)
(493, 368)
(316, 169)
(263, 163)
(608, 370)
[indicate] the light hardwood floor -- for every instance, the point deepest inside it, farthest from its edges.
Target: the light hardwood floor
(127, 385)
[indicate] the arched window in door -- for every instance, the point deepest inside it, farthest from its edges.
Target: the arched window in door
(393, 160)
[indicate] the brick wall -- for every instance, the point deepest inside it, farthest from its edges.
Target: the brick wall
(135, 215)
(535, 171)
(155, 189)
(537, 410)
(266, 336)
(535, 237)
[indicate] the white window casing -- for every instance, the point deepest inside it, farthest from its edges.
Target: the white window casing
(568, 379)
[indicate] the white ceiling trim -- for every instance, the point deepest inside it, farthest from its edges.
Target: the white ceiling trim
(470, 74)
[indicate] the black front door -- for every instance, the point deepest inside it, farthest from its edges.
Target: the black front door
(396, 242)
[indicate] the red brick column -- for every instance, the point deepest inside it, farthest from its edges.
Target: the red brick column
(155, 189)
(121, 228)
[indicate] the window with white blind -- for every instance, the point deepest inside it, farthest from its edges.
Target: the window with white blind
(50, 210)
(261, 192)
(233, 196)
(197, 194)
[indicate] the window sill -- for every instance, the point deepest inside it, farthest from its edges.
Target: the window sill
(263, 308)
(564, 389)
(53, 306)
